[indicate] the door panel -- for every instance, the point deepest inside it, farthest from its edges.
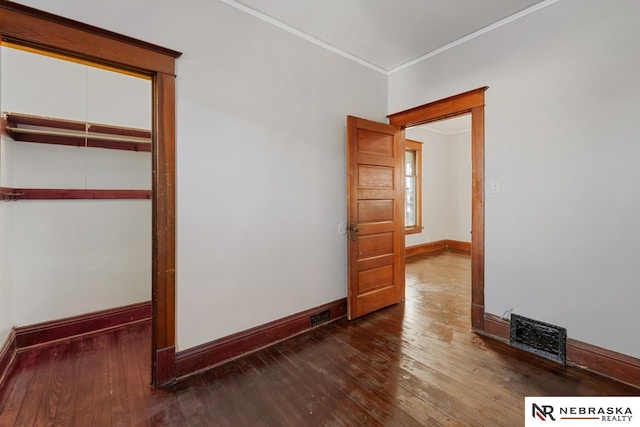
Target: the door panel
(375, 278)
(375, 210)
(375, 207)
(371, 142)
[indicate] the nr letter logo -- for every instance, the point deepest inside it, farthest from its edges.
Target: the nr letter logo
(543, 412)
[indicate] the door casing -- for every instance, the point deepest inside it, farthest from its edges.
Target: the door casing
(471, 102)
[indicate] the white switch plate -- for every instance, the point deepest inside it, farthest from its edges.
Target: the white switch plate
(494, 186)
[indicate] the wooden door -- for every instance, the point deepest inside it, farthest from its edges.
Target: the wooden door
(375, 211)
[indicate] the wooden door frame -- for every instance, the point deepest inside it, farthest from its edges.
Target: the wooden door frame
(31, 27)
(471, 102)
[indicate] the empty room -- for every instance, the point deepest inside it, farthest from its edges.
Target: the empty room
(345, 212)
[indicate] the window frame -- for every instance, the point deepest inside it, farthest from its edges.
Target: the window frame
(416, 147)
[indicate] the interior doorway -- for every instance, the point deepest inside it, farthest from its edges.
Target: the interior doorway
(438, 239)
(46, 31)
(471, 102)
(375, 191)
(441, 199)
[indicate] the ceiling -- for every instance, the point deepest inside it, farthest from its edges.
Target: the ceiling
(450, 126)
(386, 34)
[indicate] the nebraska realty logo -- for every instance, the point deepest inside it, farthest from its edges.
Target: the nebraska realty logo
(582, 411)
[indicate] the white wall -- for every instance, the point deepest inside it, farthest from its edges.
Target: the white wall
(6, 290)
(260, 160)
(435, 206)
(561, 134)
(446, 186)
(459, 161)
(261, 171)
(69, 257)
(73, 257)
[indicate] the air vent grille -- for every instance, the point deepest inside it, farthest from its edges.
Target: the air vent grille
(320, 318)
(542, 339)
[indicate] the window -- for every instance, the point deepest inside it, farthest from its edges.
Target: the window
(413, 187)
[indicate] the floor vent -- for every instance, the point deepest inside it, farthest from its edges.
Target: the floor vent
(542, 339)
(320, 318)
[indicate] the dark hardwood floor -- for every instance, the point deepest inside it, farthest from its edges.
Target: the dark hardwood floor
(412, 364)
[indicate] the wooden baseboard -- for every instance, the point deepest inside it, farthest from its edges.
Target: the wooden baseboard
(436, 245)
(496, 327)
(457, 244)
(8, 353)
(610, 364)
(165, 366)
(208, 355)
(605, 362)
(27, 336)
(425, 248)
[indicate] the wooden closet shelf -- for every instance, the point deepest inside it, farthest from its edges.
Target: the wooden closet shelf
(48, 130)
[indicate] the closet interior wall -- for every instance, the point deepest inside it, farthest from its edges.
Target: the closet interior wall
(62, 258)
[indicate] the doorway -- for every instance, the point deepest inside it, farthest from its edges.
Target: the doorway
(441, 198)
(438, 241)
(32, 27)
(375, 190)
(471, 102)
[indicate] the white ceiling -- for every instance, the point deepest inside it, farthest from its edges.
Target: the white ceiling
(451, 126)
(386, 34)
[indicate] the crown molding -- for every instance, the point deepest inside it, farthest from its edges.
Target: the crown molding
(475, 34)
(299, 33)
(303, 35)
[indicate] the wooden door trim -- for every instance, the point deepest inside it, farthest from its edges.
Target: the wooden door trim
(31, 27)
(471, 102)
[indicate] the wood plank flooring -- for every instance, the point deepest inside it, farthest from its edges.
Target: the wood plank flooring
(414, 364)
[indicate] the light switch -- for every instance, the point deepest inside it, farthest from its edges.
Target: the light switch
(494, 186)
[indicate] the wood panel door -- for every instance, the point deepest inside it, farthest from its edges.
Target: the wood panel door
(375, 211)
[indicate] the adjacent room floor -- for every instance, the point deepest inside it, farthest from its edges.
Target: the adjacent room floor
(412, 364)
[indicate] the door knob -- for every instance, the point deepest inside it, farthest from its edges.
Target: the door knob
(353, 232)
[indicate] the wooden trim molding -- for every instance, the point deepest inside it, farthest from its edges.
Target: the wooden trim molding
(435, 246)
(163, 225)
(448, 107)
(8, 353)
(164, 369)
(208, 355)
(477, 216)
(459, 245)
(30, 27)
(13, 194)
(424, 248)
(40, 333)
(416, 148)
(496, 327)
(463, 103)
(604, 362)
(610, 364)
